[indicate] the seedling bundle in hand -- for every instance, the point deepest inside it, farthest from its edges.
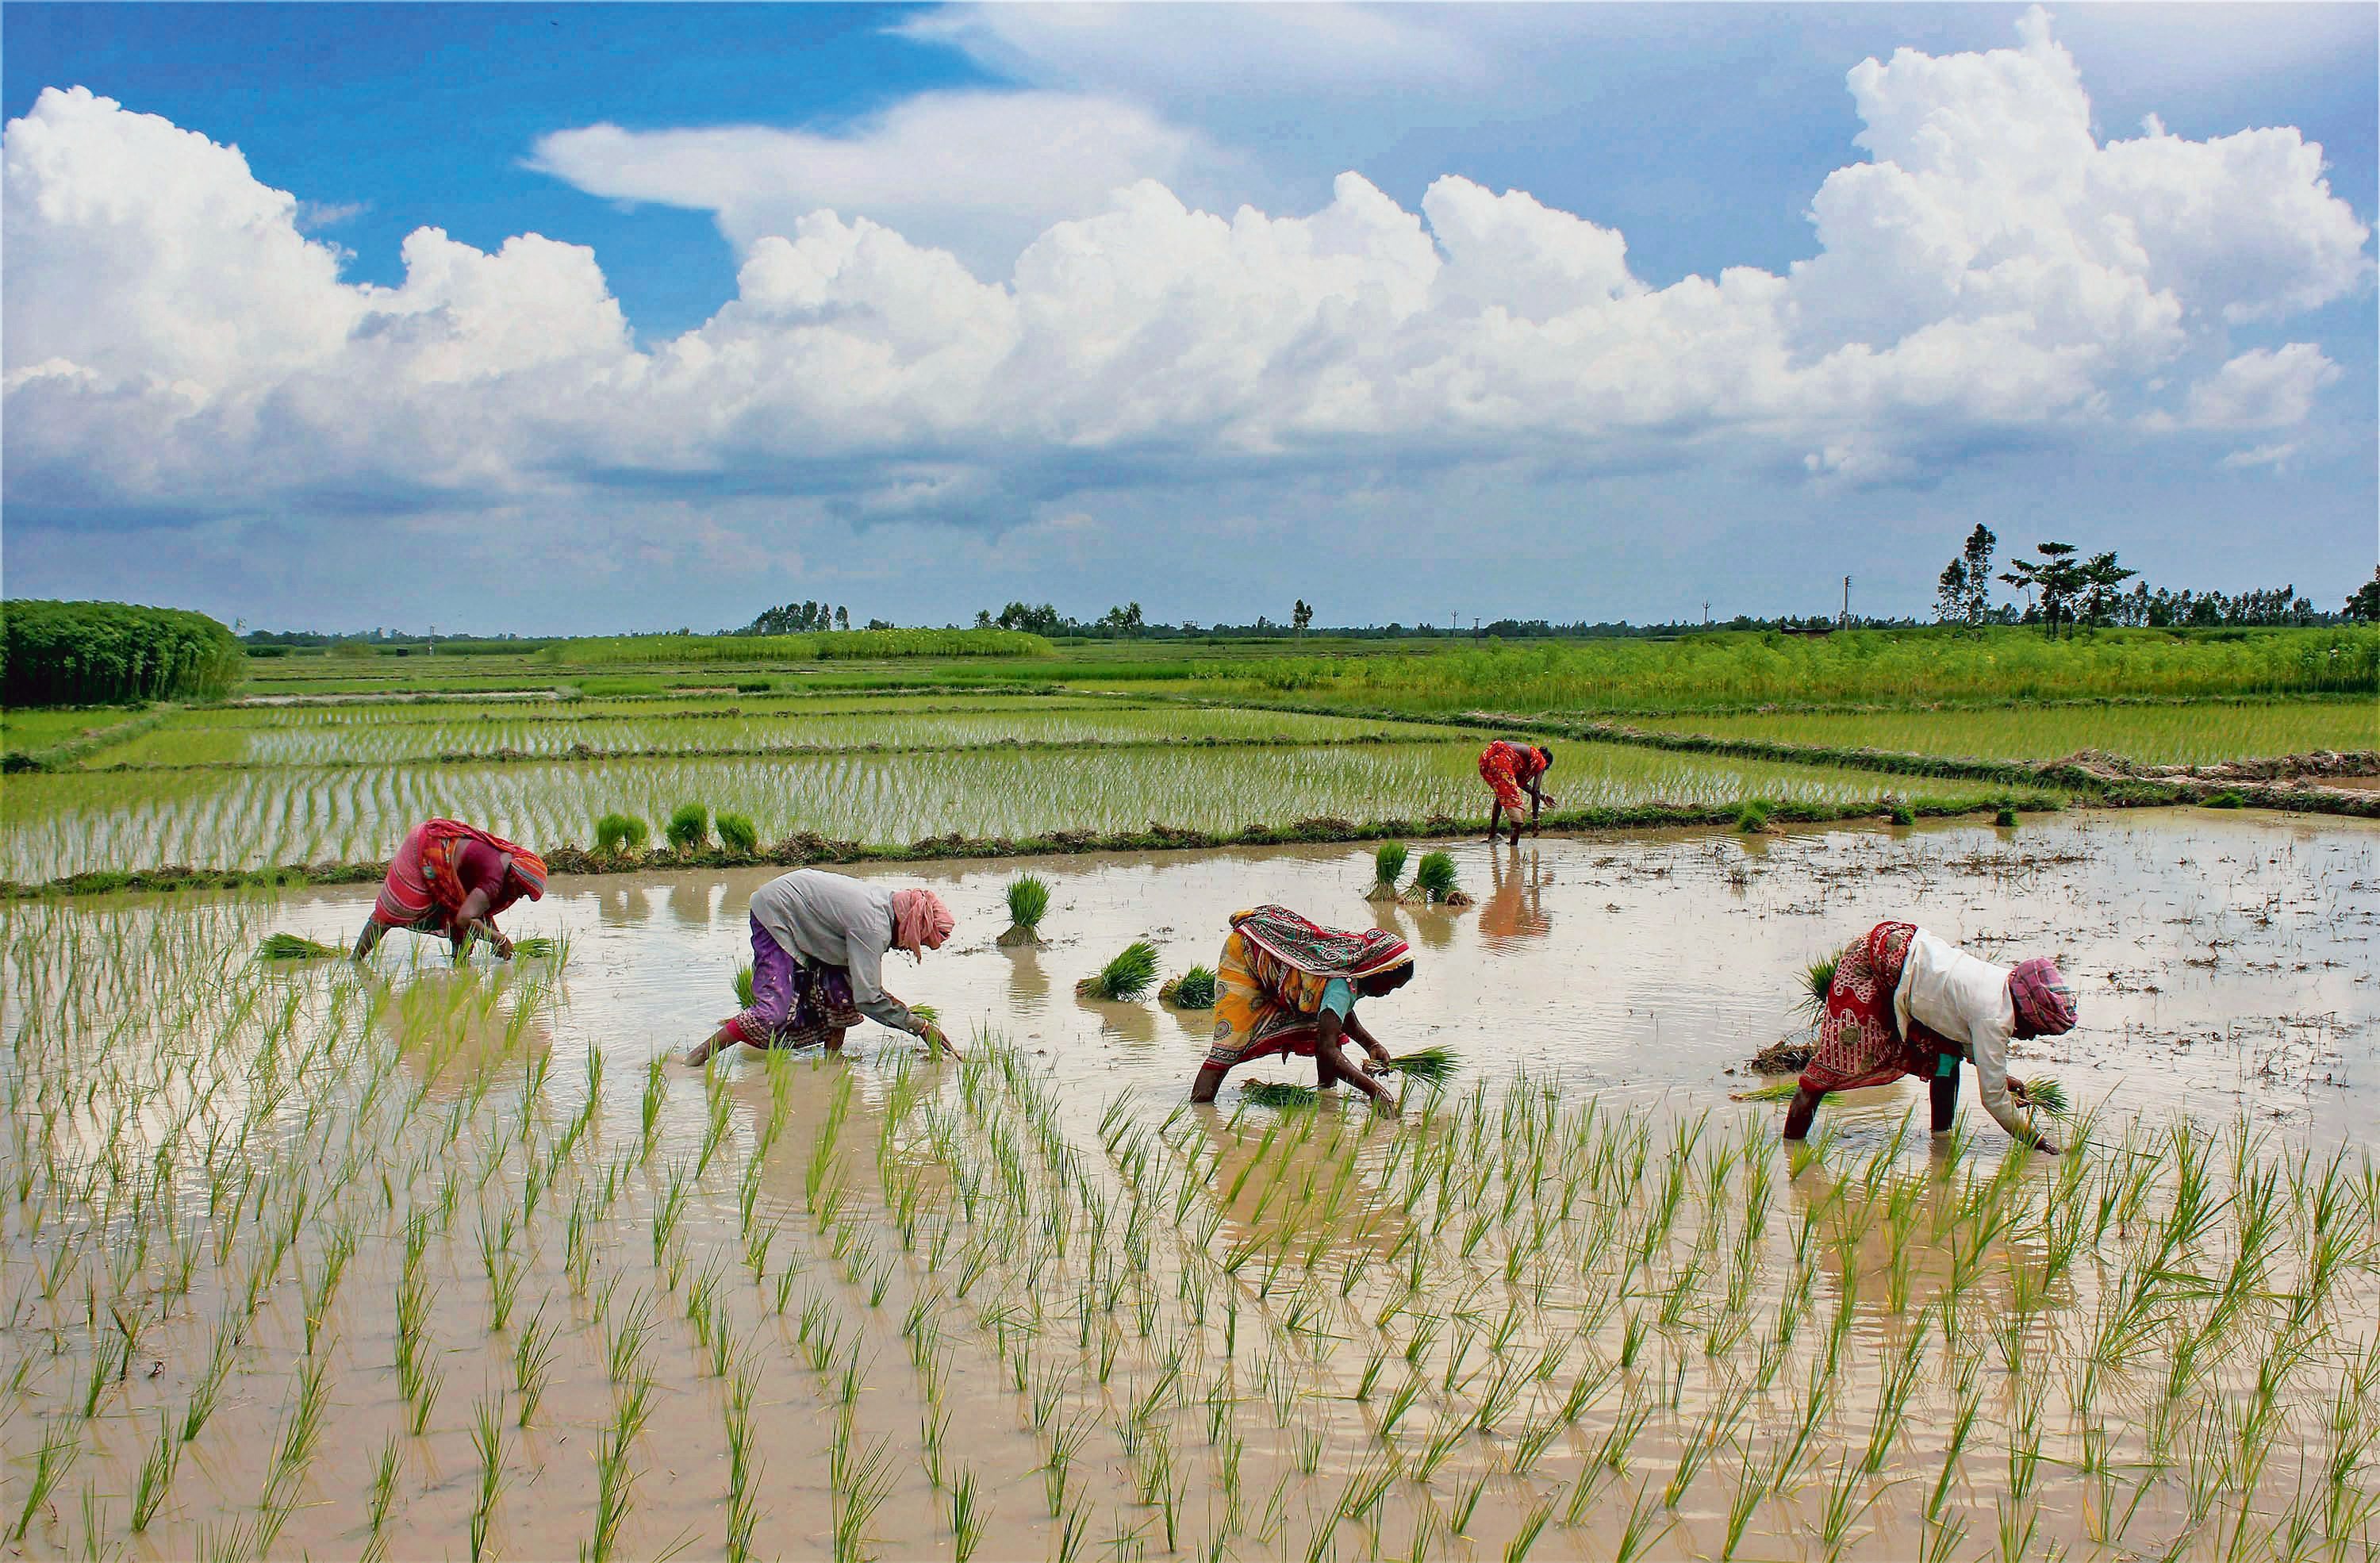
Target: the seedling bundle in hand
(1124, 978)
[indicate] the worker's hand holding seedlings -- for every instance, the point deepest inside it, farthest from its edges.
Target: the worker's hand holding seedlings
(1287, 986)
(1902, 1001)
(818, 941)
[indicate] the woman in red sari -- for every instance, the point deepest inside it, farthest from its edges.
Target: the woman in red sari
(452, 879)
(1515, 773)
(1286, 986)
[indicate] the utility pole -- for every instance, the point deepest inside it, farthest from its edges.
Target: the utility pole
(1847, 603)
(1705, 613)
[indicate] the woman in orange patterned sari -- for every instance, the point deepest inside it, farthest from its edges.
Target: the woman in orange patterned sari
(1515, 773)
(1286, 986)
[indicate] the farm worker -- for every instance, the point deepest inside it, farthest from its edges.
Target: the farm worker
(818, 962)
(1906, 1002)
(1511, 771)
(1286, 985)
(452, 878)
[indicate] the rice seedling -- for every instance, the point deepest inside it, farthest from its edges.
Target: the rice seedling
(532, 1363)
(1028, 900)
(488, 1439)
(1194, 989)
(1124, 978)
(1753, 817)
(688, 827)
(1388, 868)
(157, 1475)
(2044, 1095)
(2005, 817)
(619, 834)
(737, 834)
(537, 947)
(295, 947)
(384, 1483)
(1431, 1066)
(1435, 880)
(1277, 1094)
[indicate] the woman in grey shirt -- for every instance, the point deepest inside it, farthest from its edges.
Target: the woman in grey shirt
(818, 962)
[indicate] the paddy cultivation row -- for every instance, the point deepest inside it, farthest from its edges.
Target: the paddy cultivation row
(2199, 734)
(427, 1261)
(58, 824)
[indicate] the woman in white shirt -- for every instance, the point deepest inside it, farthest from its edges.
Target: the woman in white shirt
(1906, 1002)
(818, 942)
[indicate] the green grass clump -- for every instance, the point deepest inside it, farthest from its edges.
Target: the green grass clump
(1279, 1094)
(1901, 814)
(1388, 868)
(1753, 817)
(616, 833)
(1124, 978)
(2005, 818)
(291, 946)
(744, 988)
(688, 827)
(2233, 798)
(737, 835)
(1435, 879)
(1194, 989)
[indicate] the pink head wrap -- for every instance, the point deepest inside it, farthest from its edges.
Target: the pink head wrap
(920, 918)
(2042, 1000)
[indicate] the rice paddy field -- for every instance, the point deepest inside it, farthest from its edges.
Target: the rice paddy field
(419, 1259)
(2200, 733)
(416, 1260)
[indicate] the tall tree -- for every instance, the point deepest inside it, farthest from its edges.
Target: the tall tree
(2054, 576)
(1950, 594)
(1301, 616)
(2102, 581)
(1977, 557)
(2365, 602)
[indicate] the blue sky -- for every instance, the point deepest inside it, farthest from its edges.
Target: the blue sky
(1315, 408)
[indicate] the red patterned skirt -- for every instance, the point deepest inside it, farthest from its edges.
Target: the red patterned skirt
(1858, 1041)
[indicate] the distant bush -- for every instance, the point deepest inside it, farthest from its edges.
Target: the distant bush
(113, 653)
(688, 827)
(827, 647)
(616, 833)
(737, 834)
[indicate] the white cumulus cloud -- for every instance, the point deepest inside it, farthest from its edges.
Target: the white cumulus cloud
(175, 341)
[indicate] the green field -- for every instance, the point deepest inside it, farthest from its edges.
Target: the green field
(2196, 733)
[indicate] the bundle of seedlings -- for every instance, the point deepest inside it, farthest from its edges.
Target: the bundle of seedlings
(1124, 978)
(737, 835)
(1388, 868)
(293, 947)
(1432, 1066)
(1279, 1094)
(689, 826)
(618, 833)
(537, 947)
(1194, 989)
(742, 988)
(1028, 898)
(1433, 882)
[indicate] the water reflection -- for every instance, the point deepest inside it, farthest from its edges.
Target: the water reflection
(1515, 908)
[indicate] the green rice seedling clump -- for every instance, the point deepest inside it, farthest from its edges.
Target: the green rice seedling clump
(1753, 817)
(1433, 1066)
(1434, 880)
(1124, 978)
(744, 988)
(2047, 1095)
(737, 835)
(1028, 899)
(1817, 981)
(2005, 818)
(1194, 989)
(293, 947)
(688, 827)
(1388, 868)
(1901, 814)
(2230, 798)
(1279, 1094)
(537, 947)
(617, 833)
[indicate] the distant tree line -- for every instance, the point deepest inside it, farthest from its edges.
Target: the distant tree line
(2064, 587)
(112, 653)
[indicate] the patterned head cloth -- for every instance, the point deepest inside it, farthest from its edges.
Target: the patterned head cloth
(920, 921)
(2043, 999)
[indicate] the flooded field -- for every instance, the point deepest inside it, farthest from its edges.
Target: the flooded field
(69, 822)
(417, 1261)
(2202, 734)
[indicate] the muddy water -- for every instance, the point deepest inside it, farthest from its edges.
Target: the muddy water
(2224, 961)
(1565, 1302)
